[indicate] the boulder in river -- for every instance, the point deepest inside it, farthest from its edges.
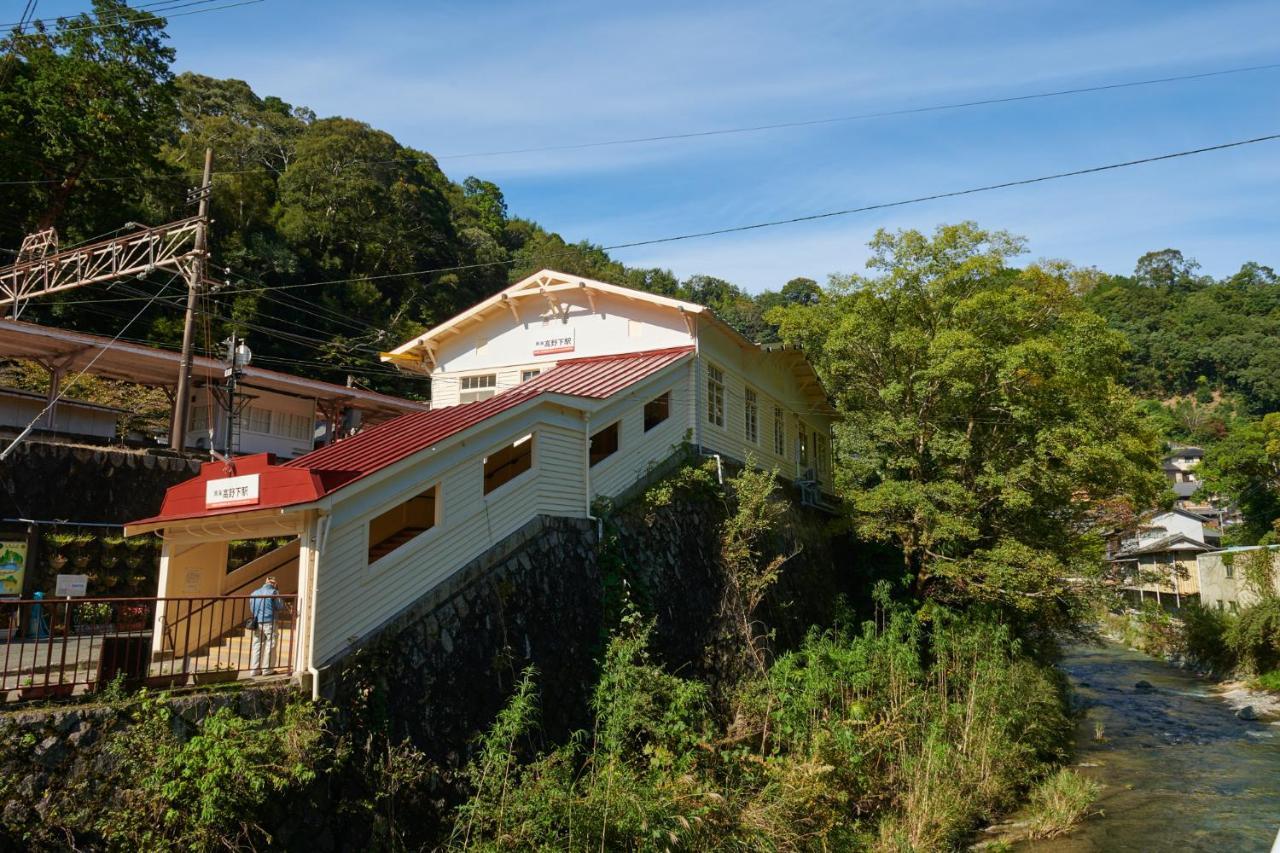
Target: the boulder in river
(1247, 713)
(1143, 685)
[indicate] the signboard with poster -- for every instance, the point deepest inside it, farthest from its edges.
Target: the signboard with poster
(13, 568)
(71, 586)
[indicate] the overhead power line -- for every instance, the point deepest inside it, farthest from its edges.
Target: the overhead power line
(757, 128)
(807, 218)
(160, 13)
(698, 133)
(953, 194)
(85, 369)
(709, 233)
(156, 8)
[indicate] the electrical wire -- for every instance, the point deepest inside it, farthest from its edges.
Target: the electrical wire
(798, 219)
(149, 8)
(698, 134)
(1058, 93)
(100, 26)
(85, 369)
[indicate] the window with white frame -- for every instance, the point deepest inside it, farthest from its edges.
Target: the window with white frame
(750, 416)
(779, 432)
(479, 387)
(295, 426)
(715, 395)
(526, 375)
(257, 419)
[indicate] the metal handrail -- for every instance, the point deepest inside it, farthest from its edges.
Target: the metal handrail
(56, 650)
(254, 579)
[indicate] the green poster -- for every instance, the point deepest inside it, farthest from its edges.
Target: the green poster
(13, 564)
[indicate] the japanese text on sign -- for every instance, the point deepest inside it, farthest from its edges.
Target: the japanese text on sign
(231, 491)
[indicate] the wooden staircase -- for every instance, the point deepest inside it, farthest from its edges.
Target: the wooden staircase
(386, 546)
(235, 649)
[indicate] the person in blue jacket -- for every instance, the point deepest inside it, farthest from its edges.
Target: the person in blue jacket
(264, 605)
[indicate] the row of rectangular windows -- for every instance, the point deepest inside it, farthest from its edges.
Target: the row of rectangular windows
(260, 420)
(751, 423)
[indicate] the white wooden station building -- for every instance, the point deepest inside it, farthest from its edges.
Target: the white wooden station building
(552, 393)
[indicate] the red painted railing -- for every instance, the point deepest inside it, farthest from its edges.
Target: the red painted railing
(59, 647)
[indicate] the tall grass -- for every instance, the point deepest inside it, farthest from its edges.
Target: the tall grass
(1059, 802)
(902, 738)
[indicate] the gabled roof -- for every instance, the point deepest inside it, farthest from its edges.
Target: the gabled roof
(418, 354)
(1175, 542)
(1186, 490)
(542, 285)
(328, 469)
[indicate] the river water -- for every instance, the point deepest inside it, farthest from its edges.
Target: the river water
(1180, 771)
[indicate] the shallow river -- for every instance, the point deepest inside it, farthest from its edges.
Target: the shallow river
(1180, 771)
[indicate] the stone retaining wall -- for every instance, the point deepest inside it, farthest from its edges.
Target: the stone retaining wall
(102, 485)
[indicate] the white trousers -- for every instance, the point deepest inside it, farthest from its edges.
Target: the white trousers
(263, 651)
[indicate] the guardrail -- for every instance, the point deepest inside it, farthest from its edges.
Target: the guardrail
(59, 647)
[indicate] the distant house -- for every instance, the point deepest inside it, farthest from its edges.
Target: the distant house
(1223, 576)
(1179, 468)
(1157, 557)
(553, 393)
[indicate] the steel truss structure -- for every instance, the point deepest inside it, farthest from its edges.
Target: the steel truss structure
(140, 252)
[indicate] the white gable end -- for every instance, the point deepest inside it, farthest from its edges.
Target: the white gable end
(533, 332)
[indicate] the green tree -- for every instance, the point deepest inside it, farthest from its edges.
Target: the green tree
(985, 432)
(89, 97)
(1245, 468)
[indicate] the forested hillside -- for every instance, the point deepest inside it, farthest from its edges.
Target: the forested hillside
(337, 240)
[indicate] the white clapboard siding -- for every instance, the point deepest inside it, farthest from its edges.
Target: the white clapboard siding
(638, 451)
(773, 387)
(354, 598)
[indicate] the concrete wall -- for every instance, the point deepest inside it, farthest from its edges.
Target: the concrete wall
(1222, 577)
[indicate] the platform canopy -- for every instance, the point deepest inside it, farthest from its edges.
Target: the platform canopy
(69, 352)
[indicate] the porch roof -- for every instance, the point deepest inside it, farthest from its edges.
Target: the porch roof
(324, 471)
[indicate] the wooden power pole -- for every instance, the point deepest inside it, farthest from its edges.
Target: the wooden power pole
(195, 271)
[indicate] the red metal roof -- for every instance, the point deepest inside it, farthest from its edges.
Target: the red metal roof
(336, 465)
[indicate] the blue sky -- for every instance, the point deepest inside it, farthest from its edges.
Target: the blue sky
(468, 77)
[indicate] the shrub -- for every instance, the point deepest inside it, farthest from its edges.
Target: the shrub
(1204, 633)
(1159, 634)
(904, 737)
(208, 792)
(632, 783)
(1254, 636)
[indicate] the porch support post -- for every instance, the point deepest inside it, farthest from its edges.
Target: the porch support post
(307, 554)
(162, 590)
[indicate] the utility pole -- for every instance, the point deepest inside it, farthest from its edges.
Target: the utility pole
(195, 278)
